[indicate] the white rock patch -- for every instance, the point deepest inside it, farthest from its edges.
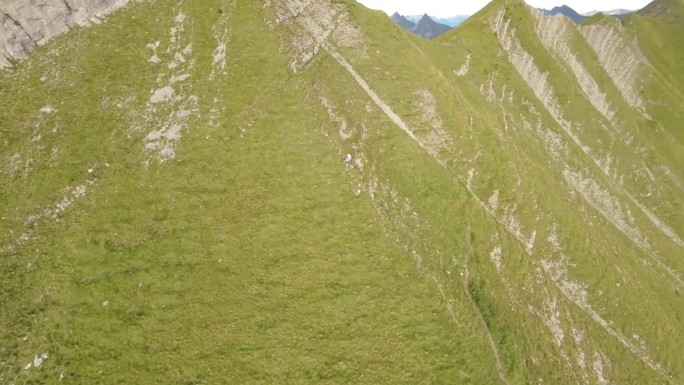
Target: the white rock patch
(37, 361)
(554, 32)
(621, 60)
(48, 109)
(163, 94)
(465, 67)
(495, 256)
(170, 106)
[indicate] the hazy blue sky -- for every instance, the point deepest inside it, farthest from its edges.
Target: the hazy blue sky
(444, 8)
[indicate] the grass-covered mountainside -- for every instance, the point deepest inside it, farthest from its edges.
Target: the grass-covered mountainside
(178, 205)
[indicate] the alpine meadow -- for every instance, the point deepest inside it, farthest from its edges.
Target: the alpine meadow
(303, 192)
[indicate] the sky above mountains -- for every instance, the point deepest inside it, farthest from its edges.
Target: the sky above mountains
(442, 8)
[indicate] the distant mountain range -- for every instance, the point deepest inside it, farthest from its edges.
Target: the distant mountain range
(578, 18)
(567, 11)
(452, 21)
(614, 12)
(430, 27)
(403, 22)
(425, 26)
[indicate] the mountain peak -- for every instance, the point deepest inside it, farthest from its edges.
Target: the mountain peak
(428, 28)
(425, 18)
(567, 11)
(402, 21)
(425, 27)
(664, 9)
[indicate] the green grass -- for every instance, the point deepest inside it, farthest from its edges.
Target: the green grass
(250, 258)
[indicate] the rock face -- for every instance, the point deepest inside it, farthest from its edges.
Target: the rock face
(24, 24)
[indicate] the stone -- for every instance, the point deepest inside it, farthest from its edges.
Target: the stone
(25, 24)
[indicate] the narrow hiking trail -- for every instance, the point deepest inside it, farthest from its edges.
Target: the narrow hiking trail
(387, 110)
(500, 371)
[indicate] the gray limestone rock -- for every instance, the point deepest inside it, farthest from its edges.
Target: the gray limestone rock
(25, 24)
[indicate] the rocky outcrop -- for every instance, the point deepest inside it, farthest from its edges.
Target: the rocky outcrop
(555, 32)
(25, 24)
(315, 25)
(524, 63)
(621, 59)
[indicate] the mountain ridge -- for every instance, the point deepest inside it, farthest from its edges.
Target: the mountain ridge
(452, 21)
(403, 22)
(567, 11)
(501, 204)
(578, 18)
(429, 28)
(671, 9)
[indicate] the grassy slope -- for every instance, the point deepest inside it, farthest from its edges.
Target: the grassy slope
(604, 249)
(655, 37)
(499, 171)
(249, 258)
